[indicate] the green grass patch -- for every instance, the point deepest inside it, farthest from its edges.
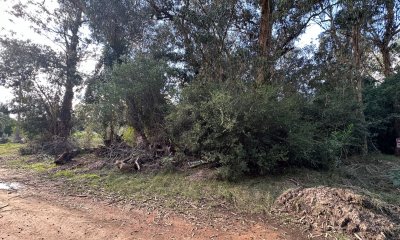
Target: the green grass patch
(73, 175)
(8, 149)
(23, 162)
(64, 174)
(86, 176)
(252, 195)
(375, 175)
(40, 167)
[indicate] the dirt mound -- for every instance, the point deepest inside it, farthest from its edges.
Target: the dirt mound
(325, 209)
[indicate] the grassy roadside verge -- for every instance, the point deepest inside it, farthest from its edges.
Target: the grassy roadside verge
(376, 175)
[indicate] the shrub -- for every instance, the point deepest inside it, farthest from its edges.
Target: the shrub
(247, 130)
(383, 113)
(87, 138)
(29, 149)
(141, 82)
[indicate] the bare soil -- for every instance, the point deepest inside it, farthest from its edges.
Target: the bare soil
(40, 210)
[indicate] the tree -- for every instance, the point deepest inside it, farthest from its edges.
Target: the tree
(281, 23)
(62, 25)
(141, 83)
(125, 28)
(6, 122)
(382, 30)
(383, 112)
(35, 74)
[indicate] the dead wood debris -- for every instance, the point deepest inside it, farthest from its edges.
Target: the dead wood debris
(326, 209)
(123, 156)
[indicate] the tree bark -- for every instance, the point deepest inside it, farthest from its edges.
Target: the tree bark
(356, 38)
(71, 72)
(382, 39)
(387, 63)
(17, 134)
(265, 41)
(390, 32)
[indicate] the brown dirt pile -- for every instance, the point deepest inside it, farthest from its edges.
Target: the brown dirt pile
(325, 209)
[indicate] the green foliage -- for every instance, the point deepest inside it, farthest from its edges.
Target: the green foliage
(252, 131)
(129, 136)
(9, 149)
(142, 84)
(339, 134)
(6, 122)
(383, 112)
(87, 138)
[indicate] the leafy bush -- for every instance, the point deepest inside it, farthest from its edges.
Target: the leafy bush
(141, 82)
(128, 135)
(249, 131)
(338, 133)
(29, 149)
(383, 113)
(87, 138)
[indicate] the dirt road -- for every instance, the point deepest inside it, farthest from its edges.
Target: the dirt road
(38, 211)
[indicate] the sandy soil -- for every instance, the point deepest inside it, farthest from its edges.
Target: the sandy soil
(38, 210)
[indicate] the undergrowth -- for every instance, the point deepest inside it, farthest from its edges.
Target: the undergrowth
(8, 149)
(376, 176)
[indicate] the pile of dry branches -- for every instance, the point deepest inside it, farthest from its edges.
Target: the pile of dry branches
(125, 157)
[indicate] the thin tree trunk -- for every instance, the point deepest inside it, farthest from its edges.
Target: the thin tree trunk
(17, 134)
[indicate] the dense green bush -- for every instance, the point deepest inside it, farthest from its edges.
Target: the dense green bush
(334, 114)
(250, 131)
(141, 83)
(383, 113)
(87, 138)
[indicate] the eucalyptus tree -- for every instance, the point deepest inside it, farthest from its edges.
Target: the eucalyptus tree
(63, 26)
(383, 30)
(280, 25)
(119, 26)
(35, 74)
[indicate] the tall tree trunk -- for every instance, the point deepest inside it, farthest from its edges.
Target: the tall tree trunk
(358, 81)
(265, 41)
(66, 111)
(388, 35)
(71, 80)
(383, 38)
(387, 63)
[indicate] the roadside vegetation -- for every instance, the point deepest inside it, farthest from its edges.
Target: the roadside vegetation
(376, 176)
(207, 103)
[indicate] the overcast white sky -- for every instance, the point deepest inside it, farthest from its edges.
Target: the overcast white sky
(22, 30)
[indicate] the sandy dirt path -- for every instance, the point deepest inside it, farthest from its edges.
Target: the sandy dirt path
(34, 211)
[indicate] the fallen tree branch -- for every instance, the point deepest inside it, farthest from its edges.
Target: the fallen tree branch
(137, 163)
